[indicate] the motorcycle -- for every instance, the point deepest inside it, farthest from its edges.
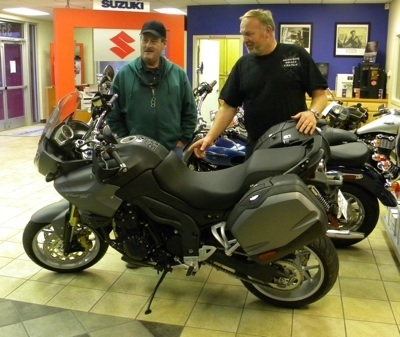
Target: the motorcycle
(139, 198)
(229, 148)
(380, 135)
(362, 185)
(343, 117)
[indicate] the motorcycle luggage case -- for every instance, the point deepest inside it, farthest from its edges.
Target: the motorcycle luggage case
(278, 213)
(281, 135)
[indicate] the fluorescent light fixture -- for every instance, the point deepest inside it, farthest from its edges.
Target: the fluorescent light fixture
(25, 11)
(170, 10)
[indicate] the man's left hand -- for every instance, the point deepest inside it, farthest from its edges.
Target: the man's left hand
(306, 122)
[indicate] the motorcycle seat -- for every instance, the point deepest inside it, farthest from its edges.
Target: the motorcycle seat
(338, 136)
(351, 154)
(222, 189)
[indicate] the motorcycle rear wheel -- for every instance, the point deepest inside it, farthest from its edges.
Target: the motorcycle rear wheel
(312, 271)
(46, 248)
(363, 214)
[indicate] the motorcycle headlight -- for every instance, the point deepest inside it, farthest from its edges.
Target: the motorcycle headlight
(339, 112)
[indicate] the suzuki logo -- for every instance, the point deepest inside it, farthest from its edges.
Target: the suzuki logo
(122, 4)
(123, 48)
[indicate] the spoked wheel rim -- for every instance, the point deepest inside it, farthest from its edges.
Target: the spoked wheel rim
(305, 275)
(355, 214)
(48, 247)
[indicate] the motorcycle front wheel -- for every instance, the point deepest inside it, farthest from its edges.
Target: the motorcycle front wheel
(362, 214)
(46, 248)
(311, 273)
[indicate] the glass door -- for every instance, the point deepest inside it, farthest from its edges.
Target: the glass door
(12, 87)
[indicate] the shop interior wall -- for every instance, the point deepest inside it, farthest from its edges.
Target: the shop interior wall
(393, 51)
(224, 20)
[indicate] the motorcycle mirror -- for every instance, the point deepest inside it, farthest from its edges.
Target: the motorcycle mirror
(109, 72)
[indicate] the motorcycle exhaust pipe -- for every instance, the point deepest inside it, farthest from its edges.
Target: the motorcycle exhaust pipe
(344, 234)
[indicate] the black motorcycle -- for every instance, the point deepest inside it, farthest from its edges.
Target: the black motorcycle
(260, 222)
(363, 185)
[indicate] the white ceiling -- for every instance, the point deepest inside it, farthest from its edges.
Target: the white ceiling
(49, 5)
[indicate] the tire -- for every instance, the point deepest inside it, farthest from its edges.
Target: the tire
(363, 213)
(45, 248)
(312, 271)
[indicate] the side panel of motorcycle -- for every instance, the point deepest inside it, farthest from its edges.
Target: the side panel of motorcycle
(80, 187)
(275, 212)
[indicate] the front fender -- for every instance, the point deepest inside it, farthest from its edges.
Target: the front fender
(54, 214)
(369, 179)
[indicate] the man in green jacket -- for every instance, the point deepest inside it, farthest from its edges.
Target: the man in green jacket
(155, 98)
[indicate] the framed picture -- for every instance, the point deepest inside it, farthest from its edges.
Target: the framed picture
(296, 33)
(351, 39)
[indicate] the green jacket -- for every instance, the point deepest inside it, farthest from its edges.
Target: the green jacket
(166, 113)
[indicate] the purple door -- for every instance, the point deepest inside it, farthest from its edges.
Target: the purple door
(12, 88)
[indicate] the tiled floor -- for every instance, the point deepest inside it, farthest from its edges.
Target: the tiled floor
(110, 300)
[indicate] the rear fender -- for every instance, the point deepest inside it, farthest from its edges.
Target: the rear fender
(369, 179)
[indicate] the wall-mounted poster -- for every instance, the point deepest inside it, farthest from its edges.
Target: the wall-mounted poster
(296, 33)
(351, 39)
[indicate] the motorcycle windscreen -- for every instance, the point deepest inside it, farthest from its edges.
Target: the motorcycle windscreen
(65, 108)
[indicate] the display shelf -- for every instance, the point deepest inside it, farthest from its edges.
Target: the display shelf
(391, 223)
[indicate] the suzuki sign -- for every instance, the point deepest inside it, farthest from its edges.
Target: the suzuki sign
(116, 44)
(120, 5)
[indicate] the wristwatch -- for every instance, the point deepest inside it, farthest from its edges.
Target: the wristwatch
(315, 112)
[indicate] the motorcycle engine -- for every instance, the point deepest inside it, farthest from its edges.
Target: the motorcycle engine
(131, 236)
(142, 240)
(136, 247)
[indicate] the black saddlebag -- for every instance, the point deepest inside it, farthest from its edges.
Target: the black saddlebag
(278, 214)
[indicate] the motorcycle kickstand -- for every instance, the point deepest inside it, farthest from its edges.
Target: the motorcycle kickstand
(164, 273)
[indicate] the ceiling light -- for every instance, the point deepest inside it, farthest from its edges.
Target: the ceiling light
(170, 11)
(24, 11)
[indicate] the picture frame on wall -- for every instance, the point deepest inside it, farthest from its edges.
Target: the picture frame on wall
(296, 33)
(351, 39)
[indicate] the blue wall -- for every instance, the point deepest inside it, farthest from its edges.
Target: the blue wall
(224, 20)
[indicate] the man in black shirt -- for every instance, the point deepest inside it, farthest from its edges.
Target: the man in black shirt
(270, 83)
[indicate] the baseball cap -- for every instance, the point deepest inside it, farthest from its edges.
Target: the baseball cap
(154, 27)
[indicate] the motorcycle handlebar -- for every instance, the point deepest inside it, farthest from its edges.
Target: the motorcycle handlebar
(112, 100)
(204, 88)
(381, 112)
(114, 154)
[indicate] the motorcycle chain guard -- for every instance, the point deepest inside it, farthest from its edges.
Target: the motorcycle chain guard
(277, 214)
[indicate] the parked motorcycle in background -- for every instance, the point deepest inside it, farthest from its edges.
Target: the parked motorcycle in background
(343, 117)
(139, 198)
(229, 148)
(382, 135)
(363, 186)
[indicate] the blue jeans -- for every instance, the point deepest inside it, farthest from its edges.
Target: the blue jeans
(179, 151)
